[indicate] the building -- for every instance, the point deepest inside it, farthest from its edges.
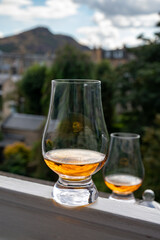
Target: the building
(8, 93)
(17, 63)
(116, 56)
(22, 127)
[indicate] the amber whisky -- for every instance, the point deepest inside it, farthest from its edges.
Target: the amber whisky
(74, 163)
(123, 183)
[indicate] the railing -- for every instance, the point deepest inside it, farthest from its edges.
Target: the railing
(27, 212)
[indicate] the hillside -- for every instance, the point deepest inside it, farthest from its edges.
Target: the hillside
(38, 40)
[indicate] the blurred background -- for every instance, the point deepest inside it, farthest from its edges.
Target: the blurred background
(117, 42)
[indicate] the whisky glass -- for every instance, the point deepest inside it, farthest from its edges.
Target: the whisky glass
(75, 140)
(124, 171)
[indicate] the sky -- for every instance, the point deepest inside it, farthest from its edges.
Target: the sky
(96, 23)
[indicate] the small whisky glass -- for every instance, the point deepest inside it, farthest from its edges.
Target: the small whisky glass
(124, 171)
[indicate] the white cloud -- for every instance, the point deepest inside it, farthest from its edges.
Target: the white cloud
(123, 7)
(114, 32)
(1, 35)
(25, 10)
(145, 21)
(109, 38)
(118, 22)
(101, 34)
(17, 2)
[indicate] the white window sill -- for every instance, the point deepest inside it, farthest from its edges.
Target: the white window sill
(129, 217)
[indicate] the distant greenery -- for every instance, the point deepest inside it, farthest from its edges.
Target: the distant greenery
(151, 156)
(37, 166)
(28, 161)
(105, 73)
(31, 88)
(16, 158)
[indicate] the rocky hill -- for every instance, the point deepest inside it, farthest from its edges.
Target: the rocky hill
(38, 40)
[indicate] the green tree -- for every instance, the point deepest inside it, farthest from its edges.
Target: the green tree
(17, 157)
(105, 73)
(37, 166)
(138, 94)
(70, 63)
(150, 50)
(151, 157)
(31, 88)
(138, 84)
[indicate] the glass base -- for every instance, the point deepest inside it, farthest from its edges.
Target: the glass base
(74, 193)
(123, 197)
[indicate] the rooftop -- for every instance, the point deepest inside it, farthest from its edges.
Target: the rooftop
(23, 121)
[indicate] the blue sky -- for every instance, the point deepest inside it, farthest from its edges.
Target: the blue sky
(101, 23)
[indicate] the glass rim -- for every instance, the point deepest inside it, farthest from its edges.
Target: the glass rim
(76, 81)
(124, 135)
